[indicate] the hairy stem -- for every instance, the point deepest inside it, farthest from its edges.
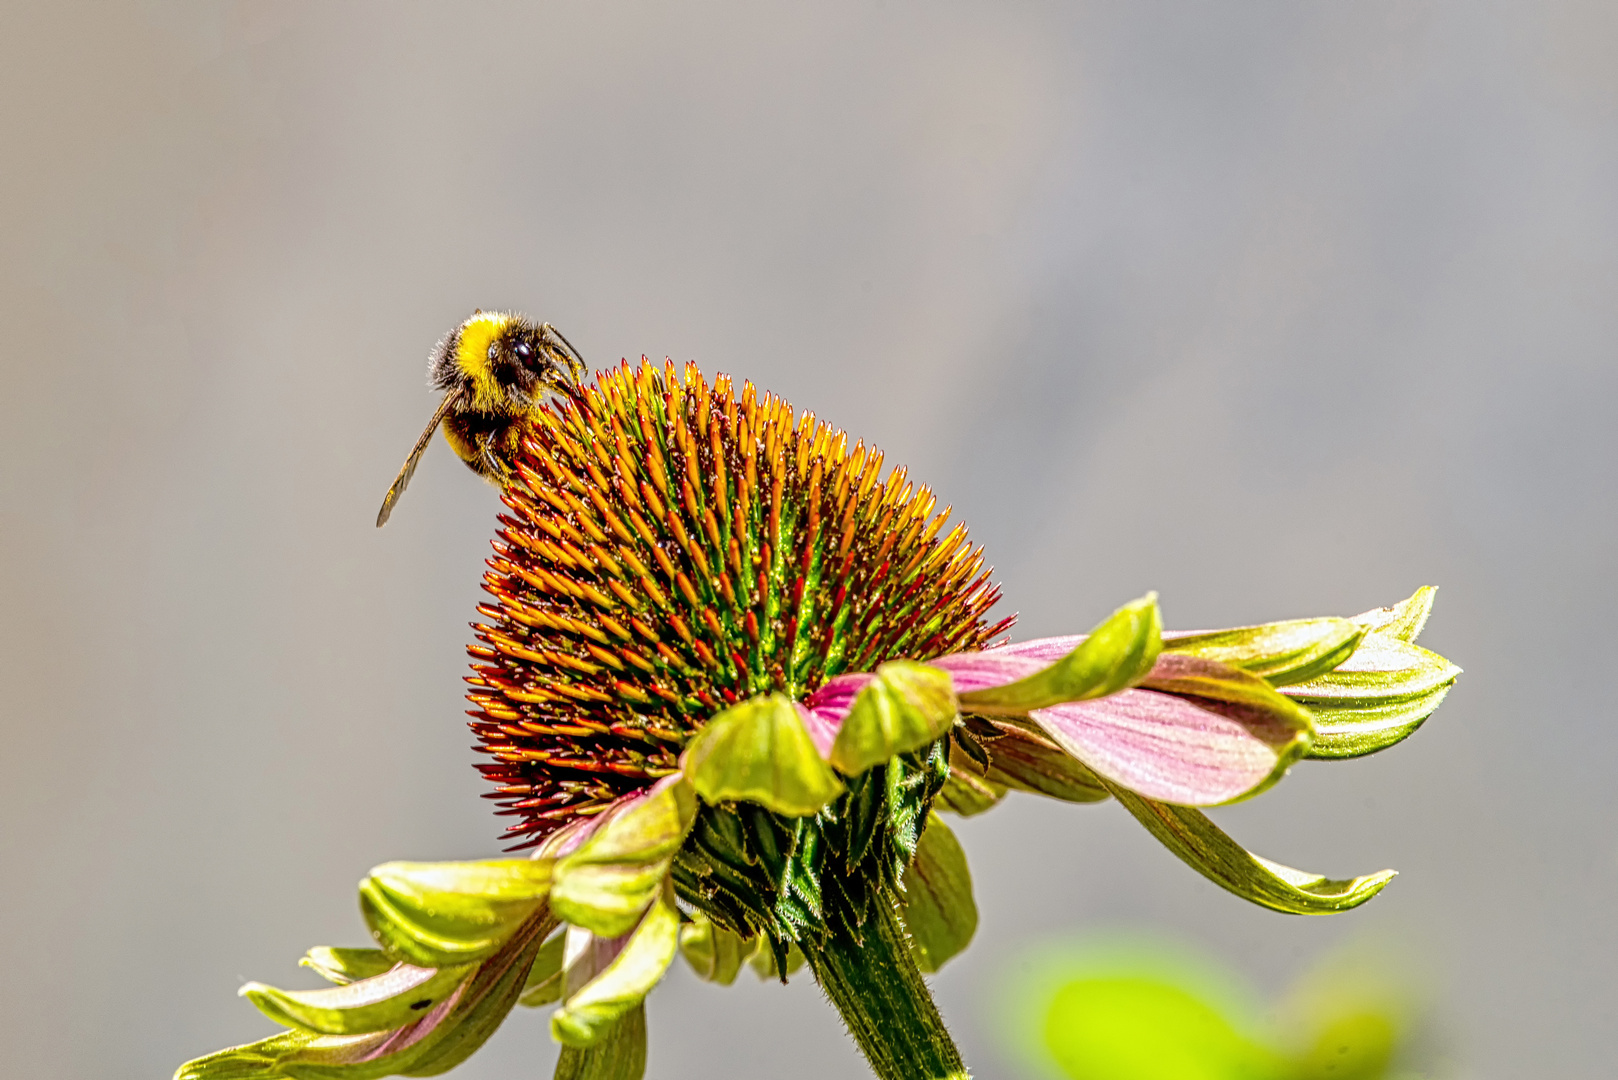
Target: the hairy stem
(876, 986)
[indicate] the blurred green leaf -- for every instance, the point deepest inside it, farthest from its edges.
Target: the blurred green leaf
(905, 707)
(760, 752)
(612, 878)
(1355, 1046)
(764, 966)
(1123, 1028)
(1279, 652)
(1114, 656)
(939, 910)
(1205, 848)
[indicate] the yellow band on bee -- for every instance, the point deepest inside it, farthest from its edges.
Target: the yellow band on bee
(472, 356)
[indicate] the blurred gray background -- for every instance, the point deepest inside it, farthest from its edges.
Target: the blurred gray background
(1280, 309)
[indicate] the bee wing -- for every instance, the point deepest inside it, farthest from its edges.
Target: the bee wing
(402, 481)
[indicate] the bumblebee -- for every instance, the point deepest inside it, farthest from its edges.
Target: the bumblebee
(494, 371)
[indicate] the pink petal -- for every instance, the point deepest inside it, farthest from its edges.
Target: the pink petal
(822, 725)
(981, 670)
(828, 707)
(1047, 650)
(1170, 748)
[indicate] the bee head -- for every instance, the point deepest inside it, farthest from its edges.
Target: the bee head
(502, 363)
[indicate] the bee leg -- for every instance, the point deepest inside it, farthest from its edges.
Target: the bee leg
(492, 469)
(575, 359)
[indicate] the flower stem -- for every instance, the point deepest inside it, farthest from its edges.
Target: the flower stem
(876, 986)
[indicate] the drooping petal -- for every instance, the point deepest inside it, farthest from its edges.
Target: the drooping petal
(714, 953)
(1279, 652)
(1204, 847)
(444, 914)
(1403, 620)
(1376, 698)
(905, 707)
(389, 1000)
(615, 875)
(619, 1054)
(340, 965)
(1115, 655)
(444, 1035)
(761, 751)
(589, 1013)
(1194, 751)
(967, 792)
(544, 983)
(1029, 761)
(939, 910)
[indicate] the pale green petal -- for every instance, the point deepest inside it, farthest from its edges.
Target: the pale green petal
(1205, 848)
(544, 983)
(1403, 620)
(341, 965)
(444, 1035)
(1115, 656)
(389, 1000)
(588, 1015)
(714, 953)
(1029, 761)
(966, 791)
(1376, 698)
(905, 707)
(615, 875)
(760, 752)
(1279, 652)
(444, 914)
(764, 966)
(939, 910)
(620, 1054)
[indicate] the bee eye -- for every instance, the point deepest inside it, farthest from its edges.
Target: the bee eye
(524, 351)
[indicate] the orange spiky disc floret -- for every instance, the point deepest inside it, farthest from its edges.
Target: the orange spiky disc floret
(671, 550)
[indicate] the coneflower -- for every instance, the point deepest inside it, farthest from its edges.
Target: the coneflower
(728, 674)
